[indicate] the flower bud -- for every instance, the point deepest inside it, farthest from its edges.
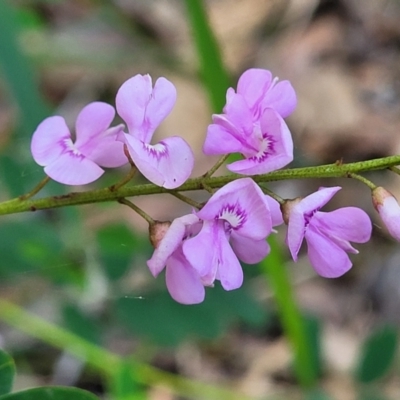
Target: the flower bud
(157, 231)
(287, 207)
(389, 210)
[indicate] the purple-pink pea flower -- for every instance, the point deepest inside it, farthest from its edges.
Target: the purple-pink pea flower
(236, 222)
(252, 124)
(183, 281)
(328, 234)
(79, 162)
(168, 163)
(389, 210)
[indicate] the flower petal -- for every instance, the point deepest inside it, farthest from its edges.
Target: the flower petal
(243, 198)
(306, 207)
(282, 98)
(106, 150)
(328, 259)
(92, 122)
(46, 141)
(160, 105)
(220, 141)
(183, 282)
(202, 251)
(253, 84)
(131, 101)
(347, 223)
(316, 200)
(168, 163)
(274, 151)
(170, 243)
(275, 209)
(248, 250)
(229, 270)
(71, 169)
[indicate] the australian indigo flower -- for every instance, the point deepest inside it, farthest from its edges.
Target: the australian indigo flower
(328, 234)
(199, 248)
(169, 162)
(78, 163)
(252, 124)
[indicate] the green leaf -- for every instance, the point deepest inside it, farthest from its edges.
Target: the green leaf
(80, 324)
(156, 316)
(317, 394)
(7, 372)
(124, 386)
(51, 393)
(27, 247)
(213, 71)
(377, 354)
(17, 71)
(117, 246)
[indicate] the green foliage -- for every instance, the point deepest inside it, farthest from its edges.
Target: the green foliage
(214, 74)
(81, 324)
(7, 372)
(24, 247)
(18, 71)
(116, 246)
(377, 354)
(124, 386)
(317, 394)
(50, 393)
(157, 317)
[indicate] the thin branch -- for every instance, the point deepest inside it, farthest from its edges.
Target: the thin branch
(186, 199)
(137, 210)
(36, 189)
(17, 205)
(210, 172)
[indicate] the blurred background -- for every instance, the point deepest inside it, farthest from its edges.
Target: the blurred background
(84, 268)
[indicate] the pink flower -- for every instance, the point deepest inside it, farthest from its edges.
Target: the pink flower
(252, 124)
(328, 234)
(236, 222)
(168, 163)
(389, 210)
(183, 281)
(78, 163)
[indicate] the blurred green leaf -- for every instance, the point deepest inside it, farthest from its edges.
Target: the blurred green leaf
(81, 324)
(274, 269)
(377, 354)
(51, 393)
(371, 394)
(313, 331)
(7, 372)
(213, 71)
(29, 246)
(317, 394)
(124, 386)
(11, 172)
(156, 316)
(18, 72)
(117, 246)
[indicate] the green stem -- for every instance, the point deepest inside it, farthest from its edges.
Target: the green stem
(365, 181)
(36, 189)
(104, 361)
(276, 273)
(216, 166)
(102, 195)
(137, 209)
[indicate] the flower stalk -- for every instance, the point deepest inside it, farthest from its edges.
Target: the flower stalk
(19, 204)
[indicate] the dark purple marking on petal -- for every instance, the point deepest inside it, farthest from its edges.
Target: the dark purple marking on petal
(267, 147)
(157, 151)
(234, 215)
(69, 147)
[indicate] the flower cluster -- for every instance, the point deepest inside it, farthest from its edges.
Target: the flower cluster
(199, 248)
